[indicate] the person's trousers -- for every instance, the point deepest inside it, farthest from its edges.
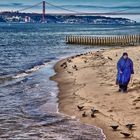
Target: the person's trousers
(123, 87)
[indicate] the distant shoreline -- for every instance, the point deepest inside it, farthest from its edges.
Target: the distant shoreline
(65, 19)
(69, 23)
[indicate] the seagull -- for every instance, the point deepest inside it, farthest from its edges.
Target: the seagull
(69, 72)
(80, 107)
(85, 61)
(93, 110)
(64, 64)
(84, 114)
(78, 55)
(69, 60)
(75, 67)
(125, 134)
(93, 115)
(114, 127)
(110, 58)
(65, 67)
(130, 126)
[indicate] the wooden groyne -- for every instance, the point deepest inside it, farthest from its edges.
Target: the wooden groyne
(123, 40)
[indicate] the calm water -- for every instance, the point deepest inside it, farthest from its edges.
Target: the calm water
(28, 99)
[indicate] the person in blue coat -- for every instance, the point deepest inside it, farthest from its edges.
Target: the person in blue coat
(125, 69)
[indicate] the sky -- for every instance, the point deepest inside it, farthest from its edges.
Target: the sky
(75, 5)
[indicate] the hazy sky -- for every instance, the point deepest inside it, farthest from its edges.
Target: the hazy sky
(76, 5)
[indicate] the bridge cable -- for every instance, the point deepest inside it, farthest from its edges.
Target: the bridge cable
(27, 8)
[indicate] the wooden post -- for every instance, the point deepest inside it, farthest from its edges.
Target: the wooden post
(103, 40)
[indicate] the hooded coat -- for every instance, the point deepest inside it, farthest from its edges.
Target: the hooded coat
(125, 69)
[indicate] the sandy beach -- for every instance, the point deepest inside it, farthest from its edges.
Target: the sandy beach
(89, 80)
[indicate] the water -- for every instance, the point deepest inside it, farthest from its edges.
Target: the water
(28, 99)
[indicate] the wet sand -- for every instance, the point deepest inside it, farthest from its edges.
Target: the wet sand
(89, 80)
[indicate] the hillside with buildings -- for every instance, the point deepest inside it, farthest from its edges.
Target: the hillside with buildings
(67, 19)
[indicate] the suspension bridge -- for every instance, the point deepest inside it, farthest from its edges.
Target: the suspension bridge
(44, 5)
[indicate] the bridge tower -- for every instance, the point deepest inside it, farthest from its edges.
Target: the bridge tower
(44, 11)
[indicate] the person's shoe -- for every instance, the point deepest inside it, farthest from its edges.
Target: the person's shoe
(124, 91)
(119, 90)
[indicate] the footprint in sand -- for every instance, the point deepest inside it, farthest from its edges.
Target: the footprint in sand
(97, 102)
(107, 94)
(85, 61)
(110, 110)
(132, 97)
(137, 107)
(134, 104)
(69, 72)
(89, 101)
(137, 99)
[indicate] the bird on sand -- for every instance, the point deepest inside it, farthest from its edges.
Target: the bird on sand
(65, 67)
(114, 127)
(110, 58)
(69, 60)
(130, 126)
(80, 107)
(78, 55)
(64, 64)
(69, 72)
(93, 110)
(85, 61)
(75, 67)
(93, 115)
(125, 134)
(84, 114)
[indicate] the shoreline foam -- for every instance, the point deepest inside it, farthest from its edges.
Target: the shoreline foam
(93, 85)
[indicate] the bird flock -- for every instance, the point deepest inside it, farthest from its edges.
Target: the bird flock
(64, 65)
(94, 111)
